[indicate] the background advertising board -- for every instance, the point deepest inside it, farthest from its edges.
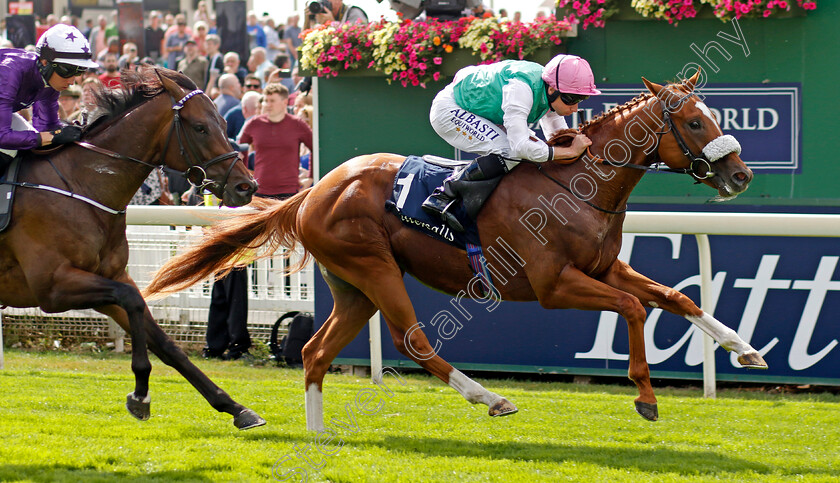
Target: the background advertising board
(765, 118)
(780, 294)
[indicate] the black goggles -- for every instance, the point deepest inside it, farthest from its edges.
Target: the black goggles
(572, 99)
(67, 70)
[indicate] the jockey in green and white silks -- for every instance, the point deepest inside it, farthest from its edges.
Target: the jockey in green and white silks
(487, 110)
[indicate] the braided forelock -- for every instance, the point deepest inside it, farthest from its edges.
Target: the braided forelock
(644, 96)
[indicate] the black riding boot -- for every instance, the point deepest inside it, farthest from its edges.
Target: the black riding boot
(441, 201)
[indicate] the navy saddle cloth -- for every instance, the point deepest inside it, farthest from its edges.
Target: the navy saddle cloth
(414, 182)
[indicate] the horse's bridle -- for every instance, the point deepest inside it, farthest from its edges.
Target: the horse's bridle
(177, 127)
(695, 161)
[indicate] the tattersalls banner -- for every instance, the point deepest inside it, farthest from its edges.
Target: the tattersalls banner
(780, 294)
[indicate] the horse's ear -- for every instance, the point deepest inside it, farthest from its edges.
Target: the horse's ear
(690, 83)
(168, 84)
(653, 87)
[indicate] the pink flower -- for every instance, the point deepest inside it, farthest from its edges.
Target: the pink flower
(437, 61)
(436, 76)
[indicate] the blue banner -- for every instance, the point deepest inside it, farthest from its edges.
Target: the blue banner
(765, 118)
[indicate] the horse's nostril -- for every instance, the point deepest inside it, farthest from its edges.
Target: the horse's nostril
(741, 177)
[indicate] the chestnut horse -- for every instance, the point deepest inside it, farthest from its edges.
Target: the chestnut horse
(363, 251)
(64, 253)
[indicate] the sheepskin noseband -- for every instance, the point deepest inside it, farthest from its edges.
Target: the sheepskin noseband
(720, 147)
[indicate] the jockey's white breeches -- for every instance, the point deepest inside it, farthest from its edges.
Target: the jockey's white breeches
(467, 131)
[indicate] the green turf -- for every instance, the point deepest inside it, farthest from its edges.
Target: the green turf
(62, 419)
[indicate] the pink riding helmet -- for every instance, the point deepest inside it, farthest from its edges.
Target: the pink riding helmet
(570, 74)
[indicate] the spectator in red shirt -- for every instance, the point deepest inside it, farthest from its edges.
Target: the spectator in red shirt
(111, 77)
(275, 138)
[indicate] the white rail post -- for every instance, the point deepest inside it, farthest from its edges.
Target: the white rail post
(375, 347)
(705, 255)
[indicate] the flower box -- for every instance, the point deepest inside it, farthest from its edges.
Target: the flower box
(415, 53)
(596, 12)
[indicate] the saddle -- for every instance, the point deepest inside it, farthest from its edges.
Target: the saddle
(473, 194)
(9, 176)
(416, 179)
(414, 182)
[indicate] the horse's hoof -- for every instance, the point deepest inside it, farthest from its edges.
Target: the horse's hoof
(647, 410)
(752, 360)
(139, 408)
(502, 408)
(248, 419)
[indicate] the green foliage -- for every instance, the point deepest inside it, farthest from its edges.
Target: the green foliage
(62, 419)
(260, 353)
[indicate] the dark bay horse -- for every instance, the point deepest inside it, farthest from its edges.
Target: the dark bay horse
(556, 229)
(62, 253)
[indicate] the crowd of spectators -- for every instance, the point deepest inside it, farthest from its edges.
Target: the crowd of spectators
(192, 48)
(269, 120)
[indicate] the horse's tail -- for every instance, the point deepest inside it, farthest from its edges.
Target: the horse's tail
(234, 242)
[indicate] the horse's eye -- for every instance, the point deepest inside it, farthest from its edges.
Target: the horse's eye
(201, 129)
(695, 125)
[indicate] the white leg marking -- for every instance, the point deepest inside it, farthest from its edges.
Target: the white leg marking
(726, 337)
(145, 400)
(314, 408)
(471, 390)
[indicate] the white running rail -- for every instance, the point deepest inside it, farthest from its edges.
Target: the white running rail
(275, 296)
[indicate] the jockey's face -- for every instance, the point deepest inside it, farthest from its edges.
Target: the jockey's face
(560, 107)
(57, 82)
(60, 83)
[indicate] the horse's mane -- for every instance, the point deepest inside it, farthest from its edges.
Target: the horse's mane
(644, 96)
(137, 87)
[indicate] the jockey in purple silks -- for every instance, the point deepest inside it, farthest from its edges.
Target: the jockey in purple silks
(36, 79)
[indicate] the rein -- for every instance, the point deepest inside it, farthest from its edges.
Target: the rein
(68, 194)
(581, 198)
(177, 127)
